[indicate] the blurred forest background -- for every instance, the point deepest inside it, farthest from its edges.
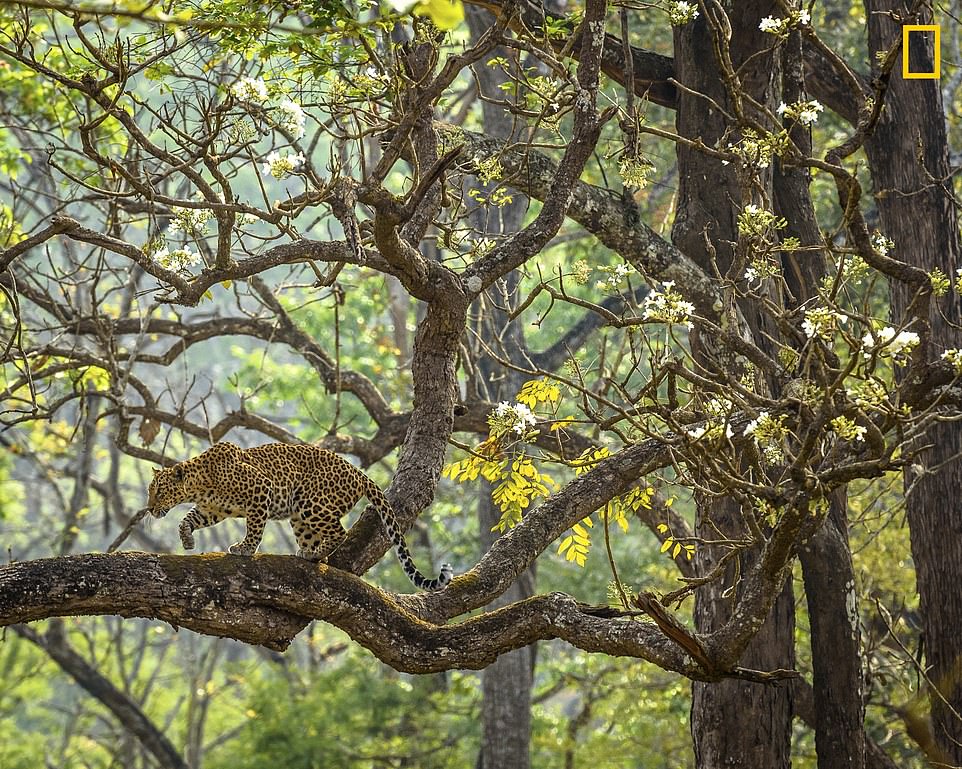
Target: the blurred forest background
(681, 276)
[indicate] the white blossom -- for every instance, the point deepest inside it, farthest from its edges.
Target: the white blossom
(821, 322)
(681, 12)
(667, 306)
(772, 25)
(805, 112)
(280, 166)
(250, 89)
(190, 221)
(882, 244)
(753, 425)
(889, 343)
(177, 260)
(809, 114)
(954, 356)
(291, 118)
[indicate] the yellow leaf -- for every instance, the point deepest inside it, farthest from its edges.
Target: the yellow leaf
(446, 14)
(579, 529)
(565, 544)
(675, 550)
(225, 283)
(666, 544)
(662, 528)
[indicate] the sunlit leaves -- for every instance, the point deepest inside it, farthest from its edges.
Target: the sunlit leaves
(446, 14)
(575, 546)
(674, 547)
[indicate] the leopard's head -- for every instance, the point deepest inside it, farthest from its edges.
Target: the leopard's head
(166, 490)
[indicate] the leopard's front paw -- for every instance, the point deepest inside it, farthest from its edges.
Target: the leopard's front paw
(187, 536)
(311, 555)
(239, 548)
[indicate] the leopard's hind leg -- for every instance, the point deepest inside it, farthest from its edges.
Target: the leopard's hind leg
(317, 540)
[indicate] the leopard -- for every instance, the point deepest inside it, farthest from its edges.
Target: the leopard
(312, 487)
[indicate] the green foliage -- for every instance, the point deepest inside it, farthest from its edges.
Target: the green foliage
(353, 715)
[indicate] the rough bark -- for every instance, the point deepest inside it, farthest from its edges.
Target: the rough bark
(826, 559)
(909, 168)
(731, 722)
(268, 599)
(830, 592)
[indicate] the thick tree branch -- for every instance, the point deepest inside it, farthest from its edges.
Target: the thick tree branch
(268, 599)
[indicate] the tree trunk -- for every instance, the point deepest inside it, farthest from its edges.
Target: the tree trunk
(733, 723)
(919, 216)
(838, 710)
(506, 684)
(829, 577)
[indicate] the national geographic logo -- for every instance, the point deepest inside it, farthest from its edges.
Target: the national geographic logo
(912, 34)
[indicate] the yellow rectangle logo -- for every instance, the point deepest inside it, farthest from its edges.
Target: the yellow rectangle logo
(936, 69)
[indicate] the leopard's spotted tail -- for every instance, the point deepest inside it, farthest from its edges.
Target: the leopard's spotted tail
(374, 493)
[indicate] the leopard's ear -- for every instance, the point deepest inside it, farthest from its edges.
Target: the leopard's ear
(156, 470)
(178, 473)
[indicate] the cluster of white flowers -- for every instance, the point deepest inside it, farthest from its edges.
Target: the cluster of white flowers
(760, 269)
(769, 433)
(954, 356)
(291, 118)
(718, 409)
(781, 27)
(279, 166)
(821, 322)
(518, 414)
(681, 12)
(752, 426)
(754, 149)
(869, 394)
(190, 221)
(250, 89)
(854, 269)
(710, 430)
(616, 276)
(805, 112)
(177, 260)
(847, 430)
(668, 306)
(755, 221)
(288, 115)
(890, 344)
(882, 244)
